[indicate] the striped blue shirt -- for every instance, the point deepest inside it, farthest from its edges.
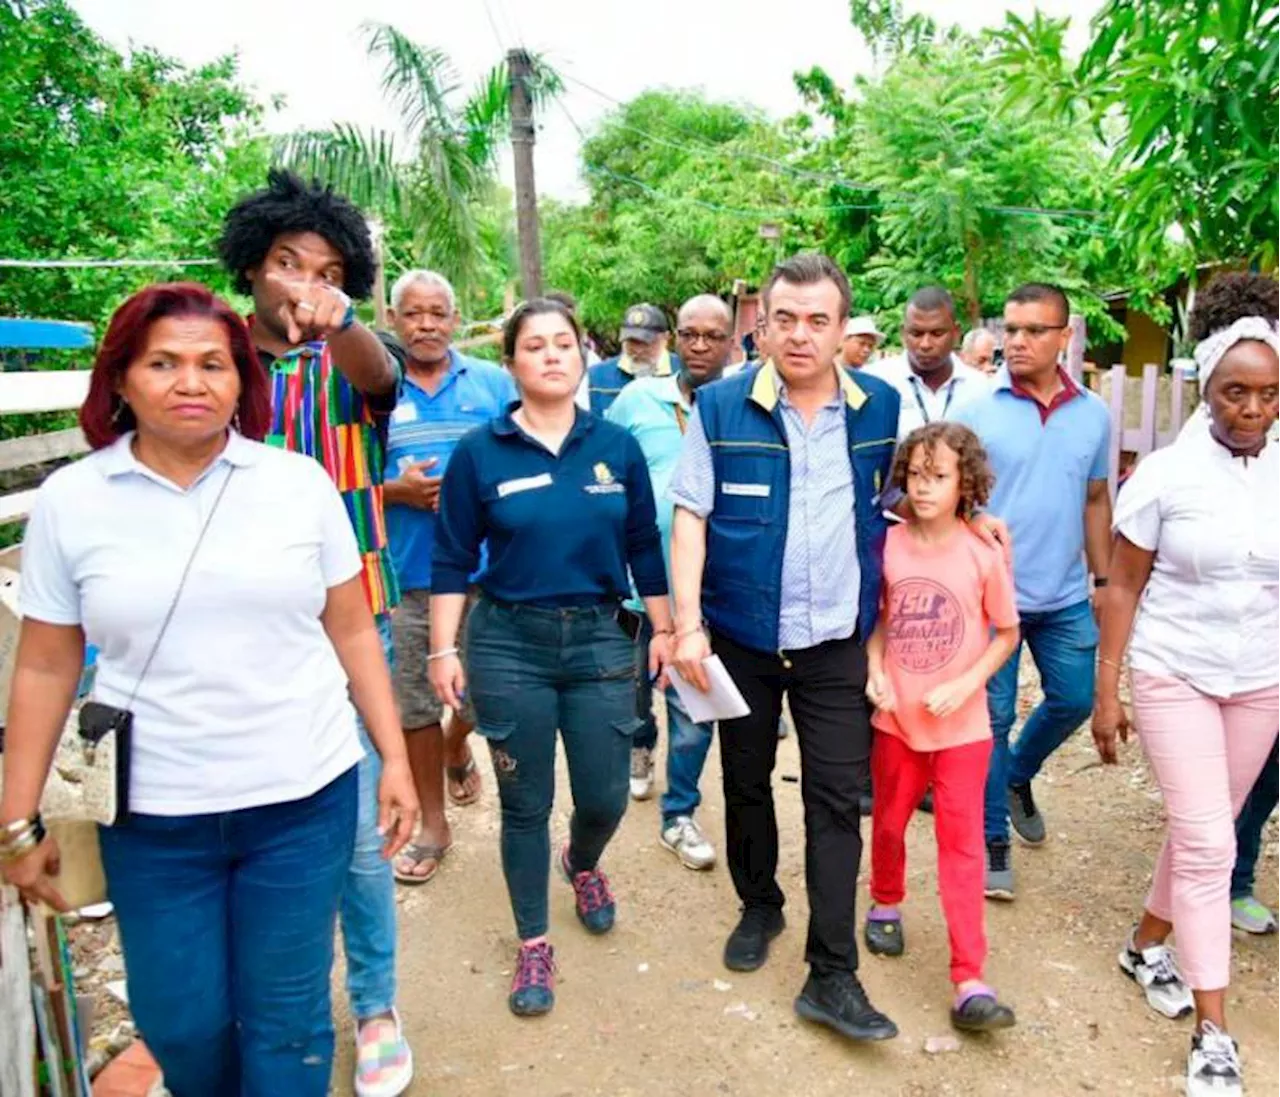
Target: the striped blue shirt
(820, 572)
(428, 425)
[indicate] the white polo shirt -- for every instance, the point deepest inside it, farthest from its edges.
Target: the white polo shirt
(245, 703)
(1211, 611)
(920, 403)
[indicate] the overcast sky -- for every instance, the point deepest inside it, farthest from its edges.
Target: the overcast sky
(313, 53)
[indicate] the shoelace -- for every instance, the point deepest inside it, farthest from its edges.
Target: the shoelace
(535, 967)
(1218, 1051)
(640, 763)
(999, 855)
(592, 890)
(687, 832)
(1159, 961)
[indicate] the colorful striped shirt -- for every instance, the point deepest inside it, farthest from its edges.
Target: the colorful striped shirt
(315, 410)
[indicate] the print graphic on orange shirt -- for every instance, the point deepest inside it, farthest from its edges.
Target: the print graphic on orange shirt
(925, 625)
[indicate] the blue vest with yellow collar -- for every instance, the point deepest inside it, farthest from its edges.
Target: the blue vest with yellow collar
(746, 534)
(608, 378)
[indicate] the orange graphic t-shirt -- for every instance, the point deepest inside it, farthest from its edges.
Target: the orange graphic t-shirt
(940, 603)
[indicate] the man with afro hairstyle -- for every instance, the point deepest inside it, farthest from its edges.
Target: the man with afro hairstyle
(303, 252)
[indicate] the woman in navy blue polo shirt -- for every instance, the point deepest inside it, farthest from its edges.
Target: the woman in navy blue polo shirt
(564, 501)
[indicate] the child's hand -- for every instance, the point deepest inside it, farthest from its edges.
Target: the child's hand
(945, 699)
(879, 692)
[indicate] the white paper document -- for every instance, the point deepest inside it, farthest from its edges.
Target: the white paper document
(722, 702)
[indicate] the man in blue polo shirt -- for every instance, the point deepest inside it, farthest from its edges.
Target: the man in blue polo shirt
(1047, 438)
(656, 410)
(444, 396)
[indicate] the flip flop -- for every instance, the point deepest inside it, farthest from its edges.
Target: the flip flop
(415, 854)
(457, 775)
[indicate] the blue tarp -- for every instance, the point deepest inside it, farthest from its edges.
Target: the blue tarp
(45, 334)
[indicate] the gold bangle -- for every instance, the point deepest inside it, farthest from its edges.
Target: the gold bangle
(1110, 663)
(16, 850)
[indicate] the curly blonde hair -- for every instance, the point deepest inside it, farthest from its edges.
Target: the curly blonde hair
(976, 477)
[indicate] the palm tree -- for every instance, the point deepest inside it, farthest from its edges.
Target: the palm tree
(450, 162)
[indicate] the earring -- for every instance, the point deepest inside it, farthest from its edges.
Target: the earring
(121, 405)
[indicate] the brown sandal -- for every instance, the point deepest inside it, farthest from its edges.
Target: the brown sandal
(414, 855)
(459, 775)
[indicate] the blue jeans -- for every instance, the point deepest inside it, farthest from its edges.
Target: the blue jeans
(532, 670)
(227, 926)
(1063, 643)
(369, 899)
(687, 747)
(687, 742)
(1249, 823)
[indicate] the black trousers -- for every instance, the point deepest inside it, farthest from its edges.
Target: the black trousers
(825, 685)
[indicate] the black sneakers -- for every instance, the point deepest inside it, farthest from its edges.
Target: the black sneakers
(748, 944)
(838, 1001)
(1027, 821)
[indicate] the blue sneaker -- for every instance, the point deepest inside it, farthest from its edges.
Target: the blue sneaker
(596, 908)
(533, 989)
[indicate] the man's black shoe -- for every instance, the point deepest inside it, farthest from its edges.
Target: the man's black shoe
(748, 944)
(839, 1002)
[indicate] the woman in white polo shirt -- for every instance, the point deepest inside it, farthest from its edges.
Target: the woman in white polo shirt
(220, 581)
(1197, 563)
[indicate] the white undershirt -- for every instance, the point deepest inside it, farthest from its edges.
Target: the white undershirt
(245, 703)
(1211, 610)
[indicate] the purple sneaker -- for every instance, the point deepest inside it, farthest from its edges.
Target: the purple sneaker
(596, 908)
(533, 989)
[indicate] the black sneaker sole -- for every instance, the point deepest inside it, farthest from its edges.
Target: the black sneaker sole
(810, 1010)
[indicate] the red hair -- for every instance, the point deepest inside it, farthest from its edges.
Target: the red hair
(104, 418)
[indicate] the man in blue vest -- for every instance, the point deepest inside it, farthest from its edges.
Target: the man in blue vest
(644, 354)
(777, 543)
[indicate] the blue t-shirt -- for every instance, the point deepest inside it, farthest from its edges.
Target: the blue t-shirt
(561, 528)
(1043, 467)
(424, 426)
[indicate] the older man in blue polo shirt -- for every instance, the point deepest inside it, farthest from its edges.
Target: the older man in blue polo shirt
(1047, 438)
(443, 396)
(777, 540)
(656, 410)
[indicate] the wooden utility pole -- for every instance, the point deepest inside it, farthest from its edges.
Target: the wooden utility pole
(519, 70)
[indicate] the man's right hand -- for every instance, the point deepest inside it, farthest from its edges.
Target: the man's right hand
(691, 649)
(414, 488)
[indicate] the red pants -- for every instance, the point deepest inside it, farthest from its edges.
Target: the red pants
(899, 777)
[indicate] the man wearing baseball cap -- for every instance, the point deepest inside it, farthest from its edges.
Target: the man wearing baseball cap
(861, 338)
(644, 354)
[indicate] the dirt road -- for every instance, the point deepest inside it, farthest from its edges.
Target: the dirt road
(650, 1010)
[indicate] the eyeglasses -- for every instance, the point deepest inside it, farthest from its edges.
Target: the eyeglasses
(711, 338)
(1031, 331)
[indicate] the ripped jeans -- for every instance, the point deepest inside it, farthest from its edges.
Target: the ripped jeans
(532, 670)
(227, 925)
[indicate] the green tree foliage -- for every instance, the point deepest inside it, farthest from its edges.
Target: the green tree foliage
(679, 189)
(1185, 93)
(436, 189)
(108, 156)
(974, 189)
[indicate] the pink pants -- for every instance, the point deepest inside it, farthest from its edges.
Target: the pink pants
(1206, 754)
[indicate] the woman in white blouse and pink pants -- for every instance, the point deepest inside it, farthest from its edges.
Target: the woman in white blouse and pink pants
(1197, 563)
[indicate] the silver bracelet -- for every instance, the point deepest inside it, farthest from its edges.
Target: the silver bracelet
(441, 654)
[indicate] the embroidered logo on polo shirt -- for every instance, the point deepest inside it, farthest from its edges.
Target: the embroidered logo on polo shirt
(605, 483)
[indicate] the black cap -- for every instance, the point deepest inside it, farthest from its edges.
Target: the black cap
(644, 322)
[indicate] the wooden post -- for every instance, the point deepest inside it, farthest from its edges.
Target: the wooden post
(519, 69)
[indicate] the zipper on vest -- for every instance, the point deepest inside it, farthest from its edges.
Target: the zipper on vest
(782, 658)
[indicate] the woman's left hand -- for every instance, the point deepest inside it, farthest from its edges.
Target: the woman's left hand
(399, 813)
(659, 658)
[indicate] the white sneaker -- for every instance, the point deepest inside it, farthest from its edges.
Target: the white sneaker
(384, 1061)
(641, 773)
(685, 839)
(1213, 1067)
(1155, 969)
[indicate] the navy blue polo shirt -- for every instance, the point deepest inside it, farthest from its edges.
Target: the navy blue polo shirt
(562, 529)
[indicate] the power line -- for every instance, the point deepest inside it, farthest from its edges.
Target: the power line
(71, 264)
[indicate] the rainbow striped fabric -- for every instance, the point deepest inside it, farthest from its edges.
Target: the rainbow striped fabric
(316, 411)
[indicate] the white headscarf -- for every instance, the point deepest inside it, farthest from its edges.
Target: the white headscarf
(1209, 352)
